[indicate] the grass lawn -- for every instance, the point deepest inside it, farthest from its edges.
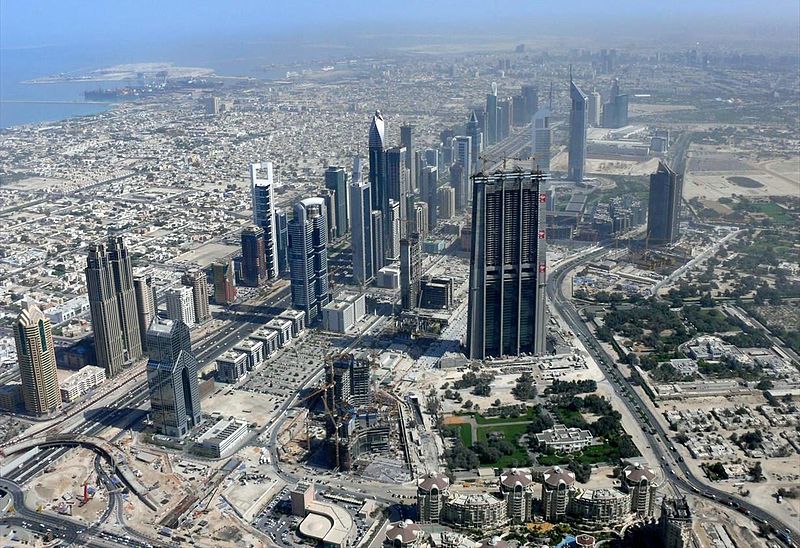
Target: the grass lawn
(480, 419)
(511, 433)
(594, 454)
(464, 432)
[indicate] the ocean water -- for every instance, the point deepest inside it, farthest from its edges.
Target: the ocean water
(22, 103)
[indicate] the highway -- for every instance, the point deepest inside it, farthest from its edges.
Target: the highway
(659, 438)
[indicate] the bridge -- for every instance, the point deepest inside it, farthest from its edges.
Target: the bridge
(100, 446)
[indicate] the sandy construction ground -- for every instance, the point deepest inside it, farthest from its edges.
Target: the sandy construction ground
(603, 166)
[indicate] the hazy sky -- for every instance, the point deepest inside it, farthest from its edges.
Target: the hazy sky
(26, 23)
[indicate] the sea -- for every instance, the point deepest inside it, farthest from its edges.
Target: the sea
(26, 103)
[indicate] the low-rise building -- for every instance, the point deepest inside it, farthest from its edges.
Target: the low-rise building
(342, 314)
(80, 382)
(565, 440)
(270, 340)
(231, 366)
(388, 277)
(284, 329)
(11, 396)
(254, 350)
(599, 507)
(222, 439)
(403, 533)
(297, 318)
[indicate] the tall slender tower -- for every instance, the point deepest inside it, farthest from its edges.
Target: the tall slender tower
(578, 122)
(180, 305)
(224, 282)
(531, 95)
(491, 115)
(506, 312)
(264, 214)
(462, 150)
(308, 257)
(378, 251)
(37, 361)
(146, 303)
(542, 139)
(377, 163)
(196, 279)
(360, 202)
(172, 378)
(664, 205)
(407, 142)
(428, 189)
(122, 273)
(254, 271)
(336, 180)
(282, 243)
(410, 260)
(397, 178)
(108, 341)
(476, 136)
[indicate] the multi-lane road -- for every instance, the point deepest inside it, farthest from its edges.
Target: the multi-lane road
(677, 471)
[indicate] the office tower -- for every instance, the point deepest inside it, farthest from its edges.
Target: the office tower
(420, 220)
(542, 139)
(108, 342)
(531, 95)
(282, 241)
(330, 212)
(224, 282)
(457, 184)
(519, 111)
(506, 313)
(556, 485)
(578, 120)
(615, 111)
(505, 113)
(254, 268)
(476, 136)
(391, 246)
(356, 174)
(433, 491)
(146, 303)
(308, 257)
(447, 203)
(594, 109)
(122, 274)
(664, 205)
(361, 228)
(676, 523)
(397, 178)
(407, 142)
(446, 137)
(431, 158)
(378, 252)
(377, 163)
(37, 361)
(462, 150)
(410, 265)
(419, 163)
(491, 116)
(264, 214)
(336, 180)
(428, 189)
(196, 279)
(180, 305)
(172, 378)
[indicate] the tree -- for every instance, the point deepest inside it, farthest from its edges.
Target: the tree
(525, 388)
(468, 404)
(582, 471)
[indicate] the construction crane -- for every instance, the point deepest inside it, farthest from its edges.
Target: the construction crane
(330, 413)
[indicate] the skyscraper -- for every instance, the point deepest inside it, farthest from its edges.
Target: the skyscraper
(462, 150)
(336, 180)
(108, 342)
(264, 214)
(410, 266)
(330, 211)
(664, 205)
(407, 142)
(224, 282)
(447, 202)
(457, 176)
(254, 268)
(282, 243)
(476, 137)
(531, 95)
(505, 114)
(196, 279)
(507, 266)
(180, 305)
(578, 121)
(615, 111)
(146, 303)
(397, 178)
(491, 116)
(360, 204)
(378, 251)
(542, 139)
(37, 361)
(122, 274)
(594, 109)
(377, 163)
(428, 189)
(391, 245)
(308, 257)
(172, 378)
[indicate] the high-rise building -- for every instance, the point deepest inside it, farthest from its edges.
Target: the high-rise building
(407, 142)
(37, 361)
(224, 282)
(639, 481)
(578, 122)
(391, 246)
(330, 212)
(122, 274)
(420, 224)
(254, 268)
(615, 111)
(506, 313)
(431, 157)
(457, 185)
(196, 279)
(447, 203)
(676, 523)
(476, 137)
(397, 178)
(146, 303)
(349, 379)
(556, 485)
(594, 109)
(505, 114)
(491, 116)
(410, 271)
(516, 487)
(361, 228)
(180, 305)
(462, 150)
(428, 190)
(336, 180)
(433, 490)
(377, 163)
(520, 111)
(172, 378)
(378, 251)
(308, 257)
(531, 95)
(282, 243)
(108, 342)
(664, 205)
(446, 138)
(542, 139)
(264, 214)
